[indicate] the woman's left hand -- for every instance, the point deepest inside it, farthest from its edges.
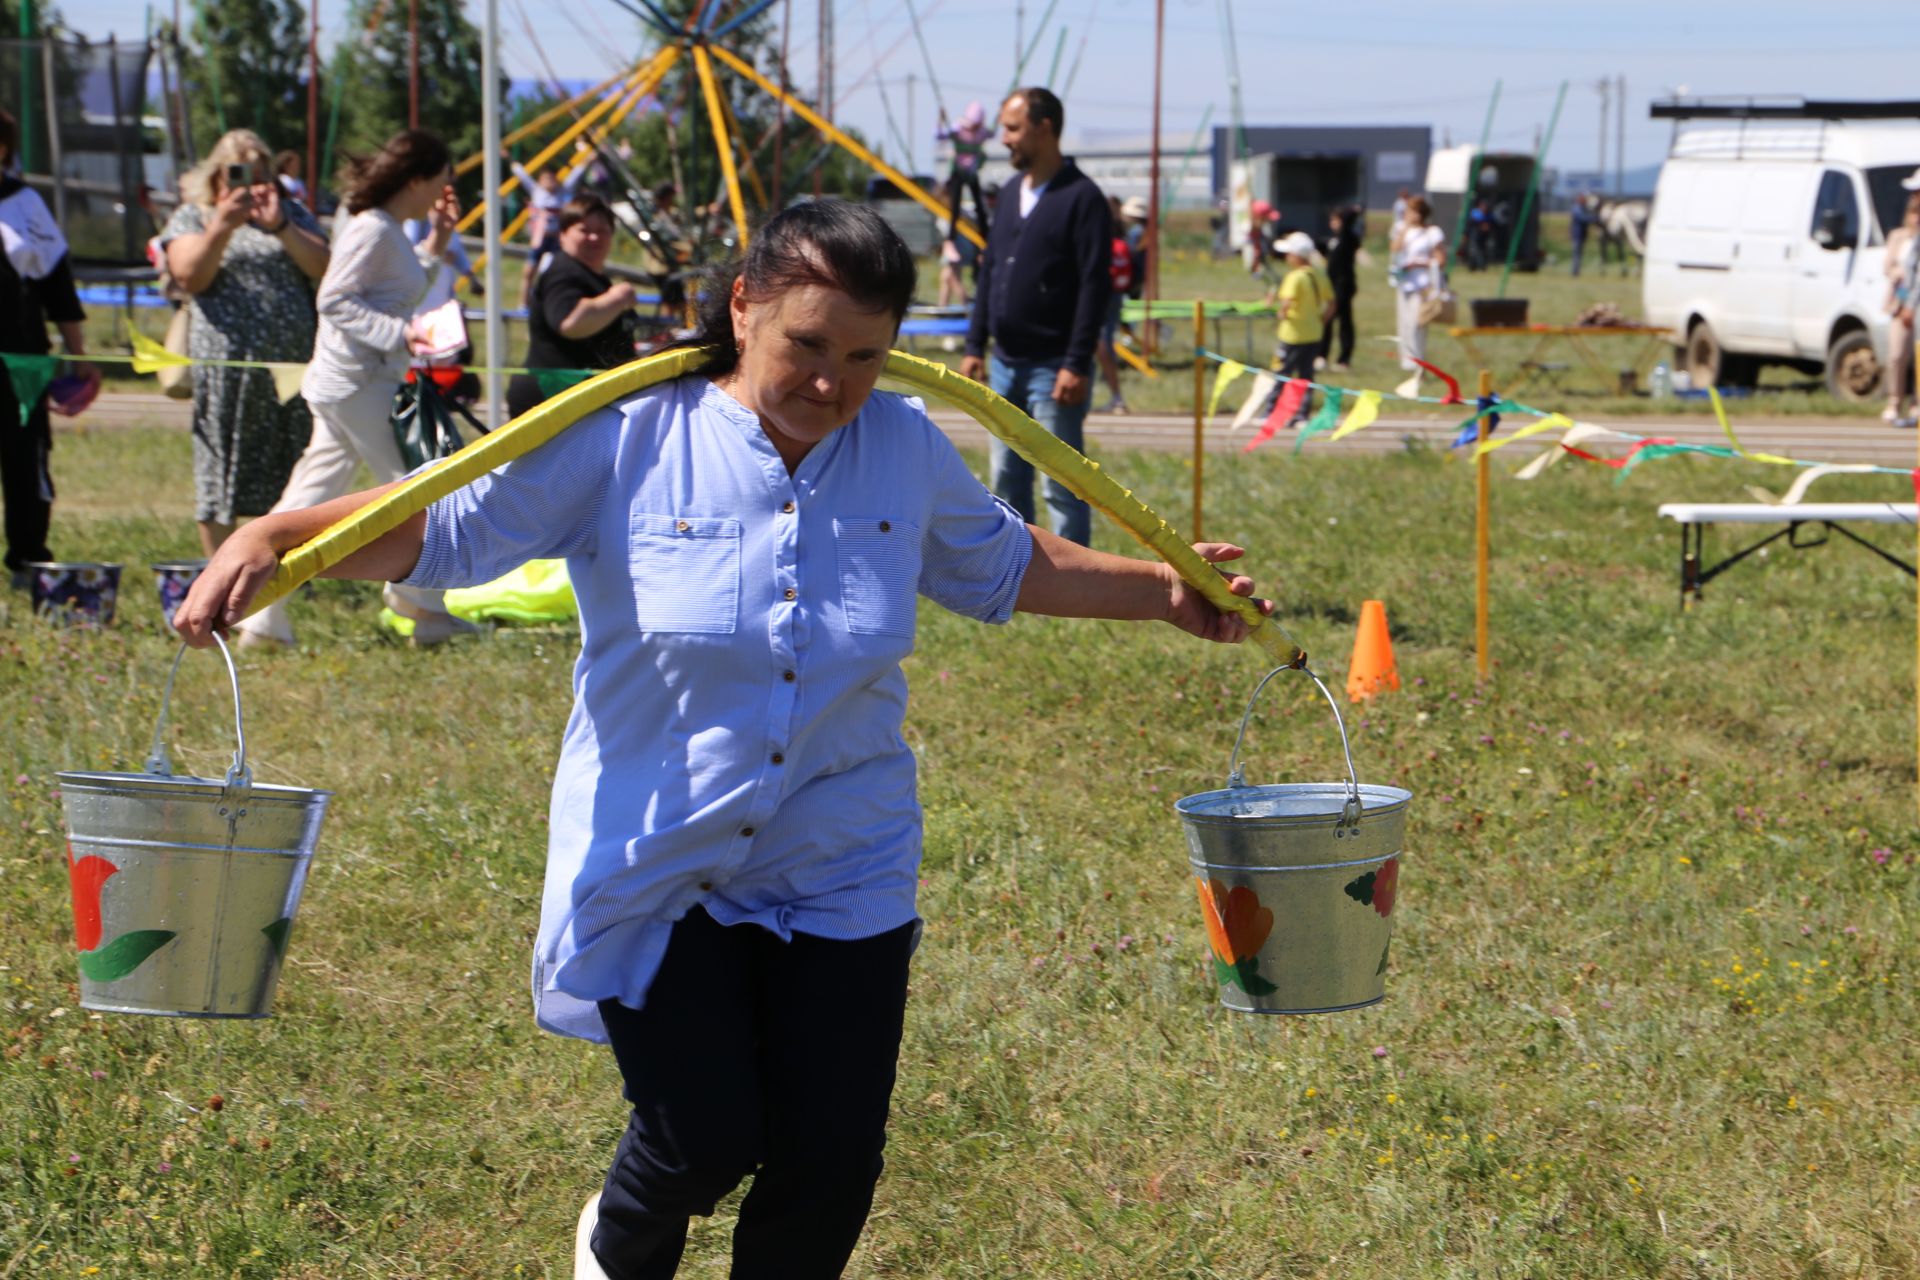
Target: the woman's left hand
(269, 215)
(1194, 613)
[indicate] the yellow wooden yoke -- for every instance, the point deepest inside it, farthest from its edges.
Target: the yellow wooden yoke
(1021, 433)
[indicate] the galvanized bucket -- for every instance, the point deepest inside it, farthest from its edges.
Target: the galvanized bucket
(184, 888)
(1297, 884)
(76, 593)
(173, 579)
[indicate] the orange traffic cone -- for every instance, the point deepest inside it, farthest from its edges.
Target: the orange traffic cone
(1372, 667)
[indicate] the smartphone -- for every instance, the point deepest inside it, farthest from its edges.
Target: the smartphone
(237, 176)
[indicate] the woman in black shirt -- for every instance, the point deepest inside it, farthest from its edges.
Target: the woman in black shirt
(36, 285)
(578, 318)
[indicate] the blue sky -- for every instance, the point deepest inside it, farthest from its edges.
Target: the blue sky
(1345, 61)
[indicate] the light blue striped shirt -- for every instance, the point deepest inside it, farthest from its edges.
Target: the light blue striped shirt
(735, 738)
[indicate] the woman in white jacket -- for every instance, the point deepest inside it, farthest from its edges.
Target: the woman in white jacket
(375, 280)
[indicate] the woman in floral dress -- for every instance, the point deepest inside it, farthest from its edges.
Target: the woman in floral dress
(246, 254)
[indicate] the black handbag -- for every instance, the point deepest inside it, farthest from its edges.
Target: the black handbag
(426, 420)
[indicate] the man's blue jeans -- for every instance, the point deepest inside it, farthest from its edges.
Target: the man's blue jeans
(1029, 384)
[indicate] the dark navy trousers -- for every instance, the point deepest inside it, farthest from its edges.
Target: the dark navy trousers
(755, 1057)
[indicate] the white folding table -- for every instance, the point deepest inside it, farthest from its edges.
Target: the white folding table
(1694, 517)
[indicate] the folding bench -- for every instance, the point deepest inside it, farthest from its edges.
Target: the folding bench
(1825, 517)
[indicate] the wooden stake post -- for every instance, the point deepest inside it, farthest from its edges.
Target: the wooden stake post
(1199, 407)
(1482, 539)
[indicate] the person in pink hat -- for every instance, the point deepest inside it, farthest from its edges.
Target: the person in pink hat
(969, 139)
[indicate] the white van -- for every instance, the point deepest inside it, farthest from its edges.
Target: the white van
(1768, 238)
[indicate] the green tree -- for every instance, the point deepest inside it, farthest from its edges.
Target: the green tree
(245, 65)
(372, 70)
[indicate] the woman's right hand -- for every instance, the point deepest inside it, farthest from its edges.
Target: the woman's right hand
(232, 210)
(219, 597)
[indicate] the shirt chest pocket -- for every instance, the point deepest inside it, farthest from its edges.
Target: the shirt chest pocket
(879, 560)
(686, 573)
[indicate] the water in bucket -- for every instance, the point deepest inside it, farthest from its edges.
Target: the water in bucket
(1297, 884)
(184, 888)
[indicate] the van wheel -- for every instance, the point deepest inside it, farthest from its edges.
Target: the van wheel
(1853, 368)
(1709, 366)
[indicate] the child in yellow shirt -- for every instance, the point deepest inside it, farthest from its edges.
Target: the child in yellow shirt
(1306, 302)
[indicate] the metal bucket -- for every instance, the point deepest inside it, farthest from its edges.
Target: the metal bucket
(1297, 884)
(173, 579)
(75, 593)
(184, 888)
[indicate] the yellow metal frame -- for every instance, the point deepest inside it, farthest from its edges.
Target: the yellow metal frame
(638, 85)
(546, 118)
(1021, 433)
(832, 133)
(722, 139)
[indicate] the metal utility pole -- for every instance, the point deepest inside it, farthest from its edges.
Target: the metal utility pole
(1605, 86)
(489, 191)
(826, 58)
(1153, 176)
(1019, 31)
(913, 138)
(313, 100)
(413, 62)
(1620, 137)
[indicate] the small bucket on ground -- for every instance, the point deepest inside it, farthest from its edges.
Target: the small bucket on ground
(75, 593)
(173, 579)
(184, 888)
(1297, 884)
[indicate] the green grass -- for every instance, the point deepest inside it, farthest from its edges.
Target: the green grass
(1650, 1010)
(1556, 297)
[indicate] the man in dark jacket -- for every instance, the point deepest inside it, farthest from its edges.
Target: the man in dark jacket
(1042, 294)
(1343, 248)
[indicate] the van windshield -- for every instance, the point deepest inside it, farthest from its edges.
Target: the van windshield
(1889, 197)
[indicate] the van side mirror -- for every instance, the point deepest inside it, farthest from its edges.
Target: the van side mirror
(1831, 230)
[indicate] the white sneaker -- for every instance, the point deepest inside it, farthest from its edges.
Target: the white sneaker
(439, 628)
(1890, 416)
(1117, 406)
(585, 1265)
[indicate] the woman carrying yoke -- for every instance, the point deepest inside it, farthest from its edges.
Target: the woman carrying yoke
(734, 835)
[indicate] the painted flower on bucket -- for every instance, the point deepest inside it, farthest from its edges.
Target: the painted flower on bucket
(1377, 888)
(117, 959)
(1237, 927)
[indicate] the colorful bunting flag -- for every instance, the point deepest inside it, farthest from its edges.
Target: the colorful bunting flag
(1283, 410)
(1552, 422)
(1263, 384)
(1363, 415)
(1230, 371)
(1325, 418)
(149, 356)
(1453, 388)
(1720, 412)
(30, 376)
(286, 380)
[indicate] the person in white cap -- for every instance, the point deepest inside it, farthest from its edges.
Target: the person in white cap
(1125, 268)
(1903, 274)
(1305, 301)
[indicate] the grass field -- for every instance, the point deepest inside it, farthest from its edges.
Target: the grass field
(1555, 297)
(1651, 1007)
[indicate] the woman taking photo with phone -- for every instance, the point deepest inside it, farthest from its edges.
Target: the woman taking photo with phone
(360, 351)
(247, 254)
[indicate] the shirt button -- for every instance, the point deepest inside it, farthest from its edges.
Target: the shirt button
(790, 593)
(706, 886)
(787, 507)
(746, 831)
(886, 526)
(778, 758)
(682, 525)
(788, 676)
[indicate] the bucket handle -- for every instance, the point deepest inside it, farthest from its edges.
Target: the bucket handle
(1236, 777)
(238, 784)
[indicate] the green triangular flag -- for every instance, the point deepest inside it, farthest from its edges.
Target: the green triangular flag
(554, 381)
(1325, 418)
(30, 376)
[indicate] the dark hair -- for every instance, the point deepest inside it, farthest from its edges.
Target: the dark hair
(829, 242)
(583, 206)
(287, 162)
(1913, 204)
(9, 134)
(1042, 104)
(370, 181)
(666, 191)
(1419, 205)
